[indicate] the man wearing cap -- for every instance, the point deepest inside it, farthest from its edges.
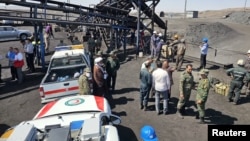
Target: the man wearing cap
(181, 49)
(153, 44)
(145, 86)
(202, 93)
(237, 74)
(203, 50)
(173, 46)
(112, 66)
(100, 77)
(84, 82)
(247, 66)
(148, 133)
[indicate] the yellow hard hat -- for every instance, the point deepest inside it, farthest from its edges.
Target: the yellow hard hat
(176, 36)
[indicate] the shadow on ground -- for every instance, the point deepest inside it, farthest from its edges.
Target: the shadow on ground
(119, 101)
(126, 90)
(217, 117)
(12, 88)
(126, 134)
(3, 128)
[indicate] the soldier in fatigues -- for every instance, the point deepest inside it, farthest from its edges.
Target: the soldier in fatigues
(237, 74)
(84, 82)
(202, 93)
(186, 85)
(112, 66)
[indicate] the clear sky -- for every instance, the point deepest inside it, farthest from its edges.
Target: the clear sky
(178, 5)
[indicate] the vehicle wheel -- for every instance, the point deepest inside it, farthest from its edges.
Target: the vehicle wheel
(23, 36)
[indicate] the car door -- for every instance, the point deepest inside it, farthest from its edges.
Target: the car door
(2, 33)
(11, 32)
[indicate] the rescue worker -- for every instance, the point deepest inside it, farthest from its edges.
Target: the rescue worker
(84, 82)
(185, 88)
(112, 66)
(153, 44)
(204, 50)
(145, 85)
(237, 74)
(181, 49)
(173, 46)
(148, 133)
(202, 93)
(246, 83)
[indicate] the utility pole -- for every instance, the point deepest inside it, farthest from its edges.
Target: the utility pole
(245, 5)
(185, 9)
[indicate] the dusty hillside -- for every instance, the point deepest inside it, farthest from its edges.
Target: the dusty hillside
(230, 35)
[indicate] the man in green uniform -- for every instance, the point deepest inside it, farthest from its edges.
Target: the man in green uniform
(185, 87)
(202, 93)
(238, 74)
(84, 82)
(112, 66)
(91, 45)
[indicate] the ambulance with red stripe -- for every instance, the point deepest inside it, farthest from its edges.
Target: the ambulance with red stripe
(61, 79)
(73, 118)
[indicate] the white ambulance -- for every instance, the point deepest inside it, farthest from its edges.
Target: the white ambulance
(61, 79)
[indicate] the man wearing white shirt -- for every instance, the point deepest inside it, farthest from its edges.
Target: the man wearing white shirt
(29, 53)
(18, 59)
(161, 84)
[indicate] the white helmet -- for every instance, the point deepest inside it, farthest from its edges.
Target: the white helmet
(155, 32)
(240, 62)
(248, 51)
(160, 34)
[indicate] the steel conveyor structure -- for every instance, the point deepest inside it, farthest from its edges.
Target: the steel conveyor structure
(110, 17)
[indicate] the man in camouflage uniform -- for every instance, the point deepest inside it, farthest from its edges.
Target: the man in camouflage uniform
(112, 66)
(173, 46)
(202, 93)
(246, 86)
(84, 82)
(237, 74)
(181, 49)
(186, 85)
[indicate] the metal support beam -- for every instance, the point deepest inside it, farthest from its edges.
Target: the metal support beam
(138, 28)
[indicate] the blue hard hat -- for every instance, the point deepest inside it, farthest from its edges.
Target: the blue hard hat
(205, 40)
(148, 133)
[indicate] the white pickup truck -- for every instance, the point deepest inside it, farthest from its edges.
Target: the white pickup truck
(61, 79)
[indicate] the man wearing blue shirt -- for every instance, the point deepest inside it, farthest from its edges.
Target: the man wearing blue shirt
(204, 50)
(11, 56)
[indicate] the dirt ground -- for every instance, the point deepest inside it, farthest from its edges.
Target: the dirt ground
(20, 102)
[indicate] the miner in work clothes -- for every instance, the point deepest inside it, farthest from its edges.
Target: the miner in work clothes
(185, 87)
(202, 93)
(237, 74)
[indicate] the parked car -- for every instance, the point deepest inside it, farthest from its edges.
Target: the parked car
(73, 118)
(12, 33)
